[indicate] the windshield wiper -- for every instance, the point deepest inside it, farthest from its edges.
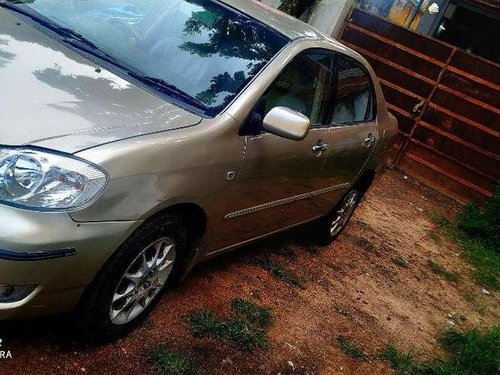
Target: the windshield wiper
(75, 39)
(67, 35)
(20, 8)
(169, 89)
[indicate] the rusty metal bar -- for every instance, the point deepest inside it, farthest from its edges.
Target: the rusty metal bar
(422, 56)
(390, 63)
(469, 99)
(460, 140)
(399, 110)
(467, 120)
(472, 77)
(401, 89)
(453, 159)
(429, 99)
(434, 167)
(397, 45)
(444, 110)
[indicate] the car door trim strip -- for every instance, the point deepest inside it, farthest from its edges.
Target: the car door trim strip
(288, 200)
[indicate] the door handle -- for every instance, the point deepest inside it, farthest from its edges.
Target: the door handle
(320, 147)
(370, 140)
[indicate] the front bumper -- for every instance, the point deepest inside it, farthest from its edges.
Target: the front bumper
(76, 252)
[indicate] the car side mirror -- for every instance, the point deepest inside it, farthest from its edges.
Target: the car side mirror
(287, 123)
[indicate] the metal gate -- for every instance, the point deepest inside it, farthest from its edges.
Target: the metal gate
(447, 102)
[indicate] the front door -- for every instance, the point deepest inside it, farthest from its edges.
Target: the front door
(279, 182)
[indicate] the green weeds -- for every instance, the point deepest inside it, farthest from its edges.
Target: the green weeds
(247, 330)
(467, 353)
(478, 233)
(253, 313)
(281, 273)
(438, 269)
(400, 262)
(350, 349)
(167, 362)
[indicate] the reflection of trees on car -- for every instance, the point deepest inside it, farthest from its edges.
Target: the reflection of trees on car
(222, 82)
(230, 38)
(5, 56)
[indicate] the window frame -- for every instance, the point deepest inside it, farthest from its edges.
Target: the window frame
(250, 128)
(359, 65)
(333, 73)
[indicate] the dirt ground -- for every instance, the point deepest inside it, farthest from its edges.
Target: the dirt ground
(373, 286)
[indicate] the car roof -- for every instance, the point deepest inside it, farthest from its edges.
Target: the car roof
(287, 25)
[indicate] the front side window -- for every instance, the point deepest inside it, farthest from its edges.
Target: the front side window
(202, 48)
(354, 99)
(304, 86)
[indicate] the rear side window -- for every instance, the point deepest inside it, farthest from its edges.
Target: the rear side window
(304, 86)
(353, 101)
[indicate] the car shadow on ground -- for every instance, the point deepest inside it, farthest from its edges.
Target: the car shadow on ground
(61, 330)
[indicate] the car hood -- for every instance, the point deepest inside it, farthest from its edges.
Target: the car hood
(51, 96)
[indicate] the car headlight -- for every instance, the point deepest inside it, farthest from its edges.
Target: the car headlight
(36, 179)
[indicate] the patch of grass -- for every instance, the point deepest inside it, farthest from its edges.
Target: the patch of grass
(253, 313)
(468, 353)
(471, 352)
(350, 349)
(279, 272)
(167, 362)
(438, 269)
(483, 223)
(400, 262)
(485, 260)
(482, 256)
(402, 362)
(242, 334)
(477, 230)
(439, 220)
(365, 244)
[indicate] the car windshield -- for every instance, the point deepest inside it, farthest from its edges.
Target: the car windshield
(201, 48)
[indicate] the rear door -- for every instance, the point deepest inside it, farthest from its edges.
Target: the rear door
(353, 127)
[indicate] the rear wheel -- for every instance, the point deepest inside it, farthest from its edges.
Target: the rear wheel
(331, 226)
(131, 282)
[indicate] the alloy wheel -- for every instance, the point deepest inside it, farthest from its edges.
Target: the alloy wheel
(344, 213)
(142, 281)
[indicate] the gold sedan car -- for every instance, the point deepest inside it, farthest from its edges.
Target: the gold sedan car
(139, 138)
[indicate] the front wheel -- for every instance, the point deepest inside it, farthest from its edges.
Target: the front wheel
(131, 282)
(145, 277)
(331, 226)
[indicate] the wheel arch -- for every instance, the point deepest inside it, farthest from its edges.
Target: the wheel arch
(193, 215)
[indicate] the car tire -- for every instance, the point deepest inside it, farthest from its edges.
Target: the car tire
(131, 282)
(331, 226)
